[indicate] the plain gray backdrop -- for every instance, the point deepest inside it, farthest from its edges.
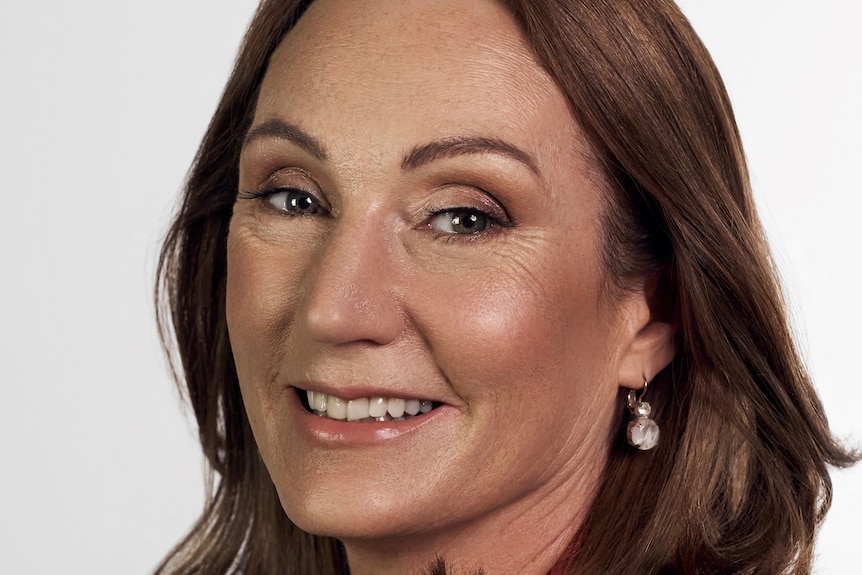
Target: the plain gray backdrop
(103, 103)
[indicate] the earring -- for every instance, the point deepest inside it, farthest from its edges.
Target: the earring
(641, 432)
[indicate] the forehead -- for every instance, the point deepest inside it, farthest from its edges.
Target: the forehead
(406, 37)
(412, 69)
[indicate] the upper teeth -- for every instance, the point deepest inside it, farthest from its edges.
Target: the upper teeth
(366, 408)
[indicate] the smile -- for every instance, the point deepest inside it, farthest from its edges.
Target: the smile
(365, 409)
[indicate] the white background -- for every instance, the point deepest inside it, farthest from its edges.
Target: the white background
(102, 106)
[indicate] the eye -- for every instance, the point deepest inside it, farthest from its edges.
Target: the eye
(461, 221)
(294, 202)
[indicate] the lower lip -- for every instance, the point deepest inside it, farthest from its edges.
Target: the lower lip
(320, 429)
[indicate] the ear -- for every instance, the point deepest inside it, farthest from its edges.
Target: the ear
(647, 340)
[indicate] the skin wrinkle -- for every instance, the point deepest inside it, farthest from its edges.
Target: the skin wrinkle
(528, 369)
(497, 59)
(505, 327)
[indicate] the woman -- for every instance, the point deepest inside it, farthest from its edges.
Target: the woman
(433, 258)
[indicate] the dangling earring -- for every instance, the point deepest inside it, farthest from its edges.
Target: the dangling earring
(641, 432)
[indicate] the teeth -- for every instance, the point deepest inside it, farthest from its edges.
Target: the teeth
(366, 408)
(336, 408)
(316, 401)
(411, 406)
(357, 409)
(377, 406)
(396, 407)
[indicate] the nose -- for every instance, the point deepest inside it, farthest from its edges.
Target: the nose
(350, 291)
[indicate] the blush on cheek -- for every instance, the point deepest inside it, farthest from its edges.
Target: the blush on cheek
(548, 336)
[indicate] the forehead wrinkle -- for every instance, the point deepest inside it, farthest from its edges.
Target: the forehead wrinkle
(396, 38)
(354, 65)
(336, 34)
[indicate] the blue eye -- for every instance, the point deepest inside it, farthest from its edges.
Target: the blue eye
(461, 221)
(295, 202)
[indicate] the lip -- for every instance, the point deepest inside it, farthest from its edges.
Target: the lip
(324, 431)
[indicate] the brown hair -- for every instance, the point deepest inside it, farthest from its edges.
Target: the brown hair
(740, 482)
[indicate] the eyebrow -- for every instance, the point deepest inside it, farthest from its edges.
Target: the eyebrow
(462, 146)
(275, 128)
(415, 159)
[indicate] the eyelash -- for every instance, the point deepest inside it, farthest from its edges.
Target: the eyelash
(460, 212)
(268, 193)
(454, 212)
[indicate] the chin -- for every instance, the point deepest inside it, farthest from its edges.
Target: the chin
(350, 508)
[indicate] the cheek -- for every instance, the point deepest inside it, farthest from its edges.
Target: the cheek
(520, 329)
(526, 347)
(259, 298)
(261, 292)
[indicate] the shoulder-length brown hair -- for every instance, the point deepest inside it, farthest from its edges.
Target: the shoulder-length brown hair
(740, 482)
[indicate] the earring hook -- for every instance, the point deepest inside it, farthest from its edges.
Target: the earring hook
(632, 400)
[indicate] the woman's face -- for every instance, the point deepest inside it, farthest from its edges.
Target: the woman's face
(417, 221)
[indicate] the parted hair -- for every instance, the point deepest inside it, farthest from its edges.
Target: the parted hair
(739, 484)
